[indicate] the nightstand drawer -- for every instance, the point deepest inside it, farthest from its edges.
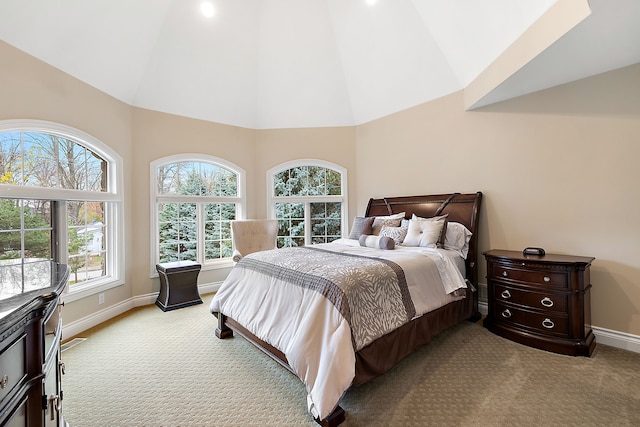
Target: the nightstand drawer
(539, 300)
(542, 322)
(534, 277)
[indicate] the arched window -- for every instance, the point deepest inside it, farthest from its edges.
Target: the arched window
(309, 200)
(60, 200)
(195, 197)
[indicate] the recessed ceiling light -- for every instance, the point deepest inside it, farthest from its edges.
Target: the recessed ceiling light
(207, 9)
(371, 2)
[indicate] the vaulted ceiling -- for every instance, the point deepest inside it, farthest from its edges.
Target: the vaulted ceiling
(313, 63)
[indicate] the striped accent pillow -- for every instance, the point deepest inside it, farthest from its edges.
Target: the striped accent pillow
(361, 225)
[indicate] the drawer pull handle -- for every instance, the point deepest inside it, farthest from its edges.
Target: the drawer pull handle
(506, 294)
(506, 314)
(547, 323)
(505, 274)
(4, 381)
(547, 302)
(56, 405)
(547, 279)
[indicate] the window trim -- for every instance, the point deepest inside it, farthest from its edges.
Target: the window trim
(114, 195)
(343, 198)
(240, 200)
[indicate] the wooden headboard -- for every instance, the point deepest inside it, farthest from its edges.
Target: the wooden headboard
(462, 208)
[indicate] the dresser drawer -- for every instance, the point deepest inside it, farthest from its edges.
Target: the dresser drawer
(12, 365)
(52, 332)
(537, 276)
(547, 301)
(544, 323)
(17, 415)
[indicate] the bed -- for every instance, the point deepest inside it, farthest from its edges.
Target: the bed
(340, 314)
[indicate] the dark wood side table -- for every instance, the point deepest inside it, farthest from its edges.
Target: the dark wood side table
(541, 301)
(178, 285)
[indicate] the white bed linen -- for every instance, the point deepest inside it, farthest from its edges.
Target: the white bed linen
(310, 331)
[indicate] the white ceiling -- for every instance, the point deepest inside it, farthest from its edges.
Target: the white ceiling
(308, 63)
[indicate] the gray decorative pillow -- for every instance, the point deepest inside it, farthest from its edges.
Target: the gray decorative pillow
(386, 243)
(396, 233)
(377, 242)
(389, 220)
(361, 225)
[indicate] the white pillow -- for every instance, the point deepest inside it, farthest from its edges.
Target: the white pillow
(423, 232)
(389, 220)
(440, 242)
(457, 238)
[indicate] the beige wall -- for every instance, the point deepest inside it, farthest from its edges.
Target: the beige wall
(30, 89)
(335, 145)
(254, 151)
(157, 135)
(557, 168)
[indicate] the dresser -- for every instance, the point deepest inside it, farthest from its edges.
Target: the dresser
(541, 301)
(30, 334)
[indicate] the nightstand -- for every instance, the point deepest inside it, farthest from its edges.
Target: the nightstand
(178, 285)
(541, 301)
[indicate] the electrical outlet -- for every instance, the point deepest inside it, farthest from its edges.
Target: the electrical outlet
(101, 298)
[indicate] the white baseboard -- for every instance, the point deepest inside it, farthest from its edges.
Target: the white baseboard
(603, 336)
(483, 308)
(617, 339)
(77, 327)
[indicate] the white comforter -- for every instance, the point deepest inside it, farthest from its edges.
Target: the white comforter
(308, 329)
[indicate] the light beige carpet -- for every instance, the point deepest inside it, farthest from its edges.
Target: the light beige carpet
(154, 368)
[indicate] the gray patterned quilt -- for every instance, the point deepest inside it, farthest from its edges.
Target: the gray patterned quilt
(370, 293)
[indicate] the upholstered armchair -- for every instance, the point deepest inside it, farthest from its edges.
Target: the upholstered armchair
(253, 235)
